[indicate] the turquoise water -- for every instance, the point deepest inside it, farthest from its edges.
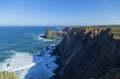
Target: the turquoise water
(22, 39)
(18, 45)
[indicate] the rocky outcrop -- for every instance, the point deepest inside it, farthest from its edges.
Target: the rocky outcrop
(50, 34)
(88, 53)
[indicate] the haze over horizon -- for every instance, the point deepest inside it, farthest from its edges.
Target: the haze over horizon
(59, 12)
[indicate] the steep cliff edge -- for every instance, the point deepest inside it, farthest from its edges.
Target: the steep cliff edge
(87, 53)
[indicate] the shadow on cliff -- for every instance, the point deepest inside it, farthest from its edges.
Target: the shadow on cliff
(95, 50)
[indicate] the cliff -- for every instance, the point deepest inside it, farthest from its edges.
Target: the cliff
(50, 34)
(88, 53)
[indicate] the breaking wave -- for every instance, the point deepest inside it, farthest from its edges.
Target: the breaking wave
(27, 66)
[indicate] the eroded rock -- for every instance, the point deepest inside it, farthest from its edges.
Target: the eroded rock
(50, 34)
(87, 53)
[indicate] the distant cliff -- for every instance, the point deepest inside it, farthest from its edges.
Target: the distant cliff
(88, 53)
(50, 34)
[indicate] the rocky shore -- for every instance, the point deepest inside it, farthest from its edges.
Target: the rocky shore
(88, 53)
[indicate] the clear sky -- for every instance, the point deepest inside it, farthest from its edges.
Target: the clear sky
(59, 12)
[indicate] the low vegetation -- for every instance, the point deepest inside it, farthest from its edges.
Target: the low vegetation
(8, 75)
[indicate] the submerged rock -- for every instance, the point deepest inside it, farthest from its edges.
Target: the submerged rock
(88, 52)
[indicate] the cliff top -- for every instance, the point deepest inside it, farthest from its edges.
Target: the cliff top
(96, 29)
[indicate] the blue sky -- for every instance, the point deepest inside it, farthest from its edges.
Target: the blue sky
(59, 12)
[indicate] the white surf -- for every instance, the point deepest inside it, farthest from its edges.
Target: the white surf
(28, 66)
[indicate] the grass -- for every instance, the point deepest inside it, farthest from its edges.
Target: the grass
(8, 75)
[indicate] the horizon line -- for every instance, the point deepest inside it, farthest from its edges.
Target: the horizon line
(57, 25)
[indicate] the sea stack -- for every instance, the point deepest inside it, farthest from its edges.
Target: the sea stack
(51, 34)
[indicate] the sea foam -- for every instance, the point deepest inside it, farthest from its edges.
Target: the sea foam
(42, 39)
(28, 66)
(17, 62)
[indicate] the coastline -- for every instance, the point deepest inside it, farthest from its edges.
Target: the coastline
(56, 61)
(19, 54)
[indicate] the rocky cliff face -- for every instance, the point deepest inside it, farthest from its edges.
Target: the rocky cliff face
(88, 53)
(50, 34)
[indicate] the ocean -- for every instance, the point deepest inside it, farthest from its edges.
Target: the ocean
(23, 51)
